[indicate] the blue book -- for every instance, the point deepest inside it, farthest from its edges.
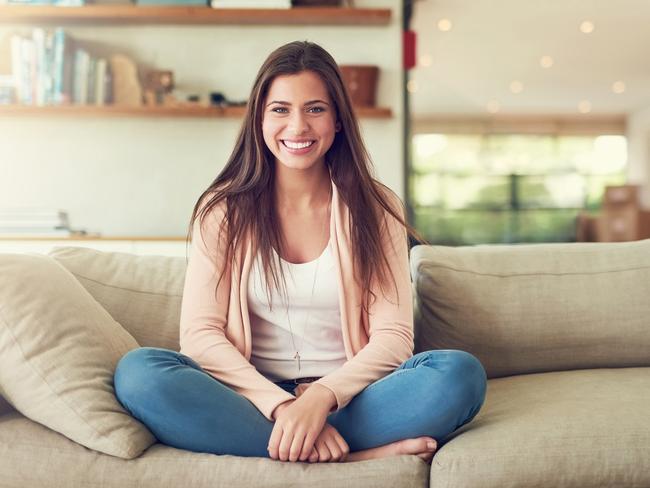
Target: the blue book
(62, 67)
(32, 2)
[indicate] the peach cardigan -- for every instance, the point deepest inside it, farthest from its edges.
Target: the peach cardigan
(216, 332)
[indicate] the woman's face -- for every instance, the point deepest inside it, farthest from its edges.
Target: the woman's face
(299, 120)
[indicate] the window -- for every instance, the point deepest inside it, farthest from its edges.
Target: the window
(504, 188)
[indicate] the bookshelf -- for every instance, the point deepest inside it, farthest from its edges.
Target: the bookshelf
(188, 15)
(132, 14)
(154, 111)
(370, 34)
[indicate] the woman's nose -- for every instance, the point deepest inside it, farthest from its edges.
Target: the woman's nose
(298, 123)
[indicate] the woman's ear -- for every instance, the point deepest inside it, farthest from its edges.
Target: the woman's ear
(338, 126)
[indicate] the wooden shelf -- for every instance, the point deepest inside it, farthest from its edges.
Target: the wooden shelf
(145, 111)
(132, 14)
(93, 237)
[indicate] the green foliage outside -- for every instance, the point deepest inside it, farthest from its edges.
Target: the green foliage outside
(472, 189)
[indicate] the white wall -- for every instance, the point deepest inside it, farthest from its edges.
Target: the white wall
(142, 176)
(638, 144)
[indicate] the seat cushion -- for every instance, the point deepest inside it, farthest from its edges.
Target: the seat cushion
(534, 308)
(58, 352)
(29, 452)
(5, 407)
(584, 428)
(142, 293)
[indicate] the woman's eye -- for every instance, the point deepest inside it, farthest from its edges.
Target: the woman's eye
(281, 110)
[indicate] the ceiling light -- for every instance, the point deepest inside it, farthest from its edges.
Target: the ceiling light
(618, 87)
(516, 86)
(546, 61)
(425, 60)
(412, 86)
(493, 106)
(444, 25)
(587, 27)
(584, 107)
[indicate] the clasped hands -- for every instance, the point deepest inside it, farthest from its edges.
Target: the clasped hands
(300, 432)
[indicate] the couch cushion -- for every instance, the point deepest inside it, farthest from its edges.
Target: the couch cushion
(536, 307)
(28, 452)
(5, 407)
(58, 352)
(142, 293)
(585, 428)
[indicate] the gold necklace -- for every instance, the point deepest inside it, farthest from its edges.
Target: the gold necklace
(313, 287)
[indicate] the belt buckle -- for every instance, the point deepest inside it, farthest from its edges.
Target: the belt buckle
(308, 379)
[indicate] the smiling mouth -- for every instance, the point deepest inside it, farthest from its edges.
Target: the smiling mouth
(297, 145)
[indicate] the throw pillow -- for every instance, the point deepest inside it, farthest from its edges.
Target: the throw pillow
(58, 352)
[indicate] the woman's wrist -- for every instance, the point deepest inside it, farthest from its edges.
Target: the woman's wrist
(279, 408)
(325, 395)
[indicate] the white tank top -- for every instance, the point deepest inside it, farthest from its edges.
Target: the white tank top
(320, 343)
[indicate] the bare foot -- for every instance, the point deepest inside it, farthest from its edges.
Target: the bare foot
(417, 446)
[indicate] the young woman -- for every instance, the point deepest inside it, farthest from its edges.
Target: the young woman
(296, 326)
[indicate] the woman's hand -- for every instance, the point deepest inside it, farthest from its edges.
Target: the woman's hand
(301, 388)
(298, 424)
(329, 447)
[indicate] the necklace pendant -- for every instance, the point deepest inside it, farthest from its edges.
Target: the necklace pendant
(297, 356)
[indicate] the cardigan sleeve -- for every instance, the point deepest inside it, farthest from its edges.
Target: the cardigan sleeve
(204, 318)
(390, 323)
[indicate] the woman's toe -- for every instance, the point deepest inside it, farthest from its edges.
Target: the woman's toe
(417, 445)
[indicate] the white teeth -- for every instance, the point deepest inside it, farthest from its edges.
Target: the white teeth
(297, 145)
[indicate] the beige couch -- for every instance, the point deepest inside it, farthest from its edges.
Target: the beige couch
(563, 331)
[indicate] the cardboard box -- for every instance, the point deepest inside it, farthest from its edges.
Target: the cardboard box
(621, 196)
(617, 225)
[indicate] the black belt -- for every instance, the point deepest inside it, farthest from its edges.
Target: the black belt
(308, 379)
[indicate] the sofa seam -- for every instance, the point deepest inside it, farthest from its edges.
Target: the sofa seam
(77, 275)
(422, 266)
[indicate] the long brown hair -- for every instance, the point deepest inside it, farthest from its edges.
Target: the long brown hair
(246, 182)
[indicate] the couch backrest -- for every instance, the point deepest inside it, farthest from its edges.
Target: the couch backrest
(535, 307)
(142, 293)
(518, 308)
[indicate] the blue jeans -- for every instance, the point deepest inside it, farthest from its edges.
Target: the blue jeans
(431, 394)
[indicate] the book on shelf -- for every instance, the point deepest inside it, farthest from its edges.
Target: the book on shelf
(31, 212)
(7, 89)
(80, 87)
(35, 222)
(51, 68)
(56, 3)
(22, 218)
(62, 67)
(39, 232)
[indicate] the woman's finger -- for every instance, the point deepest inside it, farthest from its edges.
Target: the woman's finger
(284, 447)
(296, 447)
(334, 448)
(274, 441)
(313, 457)
(324, 454)
(345, 449)
(307, 446)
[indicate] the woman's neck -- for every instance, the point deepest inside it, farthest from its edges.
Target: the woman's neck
(302, 190)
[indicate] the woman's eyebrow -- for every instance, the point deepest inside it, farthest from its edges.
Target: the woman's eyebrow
(311, 102)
